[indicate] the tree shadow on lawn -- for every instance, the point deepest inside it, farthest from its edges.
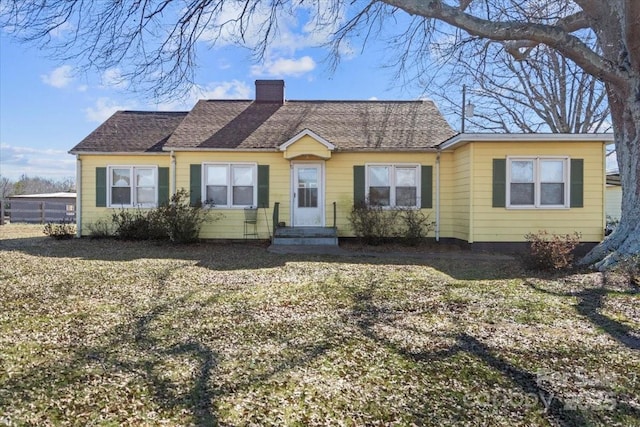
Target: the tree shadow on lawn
(225, 256)
(590, 304)
(138, 350)
(557, 411)
(83, 366)
(134, 351)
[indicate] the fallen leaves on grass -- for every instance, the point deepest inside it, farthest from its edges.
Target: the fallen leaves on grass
(124, 333)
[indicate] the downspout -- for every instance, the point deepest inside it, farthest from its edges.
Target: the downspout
(173, 190)
(438, 196)
(78, 196)
(604, 189)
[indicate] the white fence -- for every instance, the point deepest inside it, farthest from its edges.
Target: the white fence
(36, 212)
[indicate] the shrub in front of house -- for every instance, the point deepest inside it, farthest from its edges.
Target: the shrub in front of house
(60, 231)
(373, 224)
(376, 225)
(177, 221)
(181, 221)
(100, 229)
(137, 225)
(551, 251)
(414, 226)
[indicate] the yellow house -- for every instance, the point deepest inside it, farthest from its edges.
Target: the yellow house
(302, 165)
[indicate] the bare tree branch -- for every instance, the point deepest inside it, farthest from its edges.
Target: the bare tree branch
(550, 35)
(546, 92)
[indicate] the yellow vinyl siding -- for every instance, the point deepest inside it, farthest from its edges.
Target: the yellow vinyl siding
(460, 175)
(339, 189)
(338, 185)
(491, 224)
(465, 188)
(339, 181)
(230, 224)
(447, 185)
(91, 213)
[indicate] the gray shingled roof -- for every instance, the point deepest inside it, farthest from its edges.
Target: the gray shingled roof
(131, 132)
(349, 125)
(228, 124)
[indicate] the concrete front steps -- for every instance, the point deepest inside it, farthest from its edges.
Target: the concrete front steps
(305, 236)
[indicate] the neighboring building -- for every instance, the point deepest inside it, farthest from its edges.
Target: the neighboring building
(314, 158)
(41, 208)
(613, 198)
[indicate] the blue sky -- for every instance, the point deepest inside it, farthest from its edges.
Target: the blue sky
(46, 107)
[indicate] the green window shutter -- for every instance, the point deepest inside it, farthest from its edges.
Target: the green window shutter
(163, 186)
(499, 183)
(101, 187)
(195, 185)
(359, 191)
(426, 187)
(263, 186)
(576, 186)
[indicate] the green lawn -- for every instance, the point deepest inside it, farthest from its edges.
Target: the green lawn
(101, 332)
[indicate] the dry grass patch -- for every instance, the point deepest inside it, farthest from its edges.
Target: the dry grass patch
(123, 333)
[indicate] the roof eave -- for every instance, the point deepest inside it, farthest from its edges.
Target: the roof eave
(248, 150)
(118, 153)
(466, 138)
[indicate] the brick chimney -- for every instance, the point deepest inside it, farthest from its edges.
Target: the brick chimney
(270, 91)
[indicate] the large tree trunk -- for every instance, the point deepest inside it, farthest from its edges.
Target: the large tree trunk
(625, 240)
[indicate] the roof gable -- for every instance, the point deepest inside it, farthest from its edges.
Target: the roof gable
(307, 143)
(307, 132)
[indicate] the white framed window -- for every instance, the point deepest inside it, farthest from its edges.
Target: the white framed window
(228, 185)
(132, 186)
(393, 185)
(538, 182)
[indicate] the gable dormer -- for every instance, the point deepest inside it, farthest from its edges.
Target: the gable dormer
(307, 144)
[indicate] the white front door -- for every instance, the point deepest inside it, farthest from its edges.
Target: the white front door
(308, 195)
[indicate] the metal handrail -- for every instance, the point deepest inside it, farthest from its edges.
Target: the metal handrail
(276, 216)
(334, 214)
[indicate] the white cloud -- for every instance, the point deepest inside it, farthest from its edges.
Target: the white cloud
(61, 29)
(46, 163)
(302, 26)
(441, 47)
(112, 78)
(234, 89)
(59, 77)
(285, 67)
(103, 109)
